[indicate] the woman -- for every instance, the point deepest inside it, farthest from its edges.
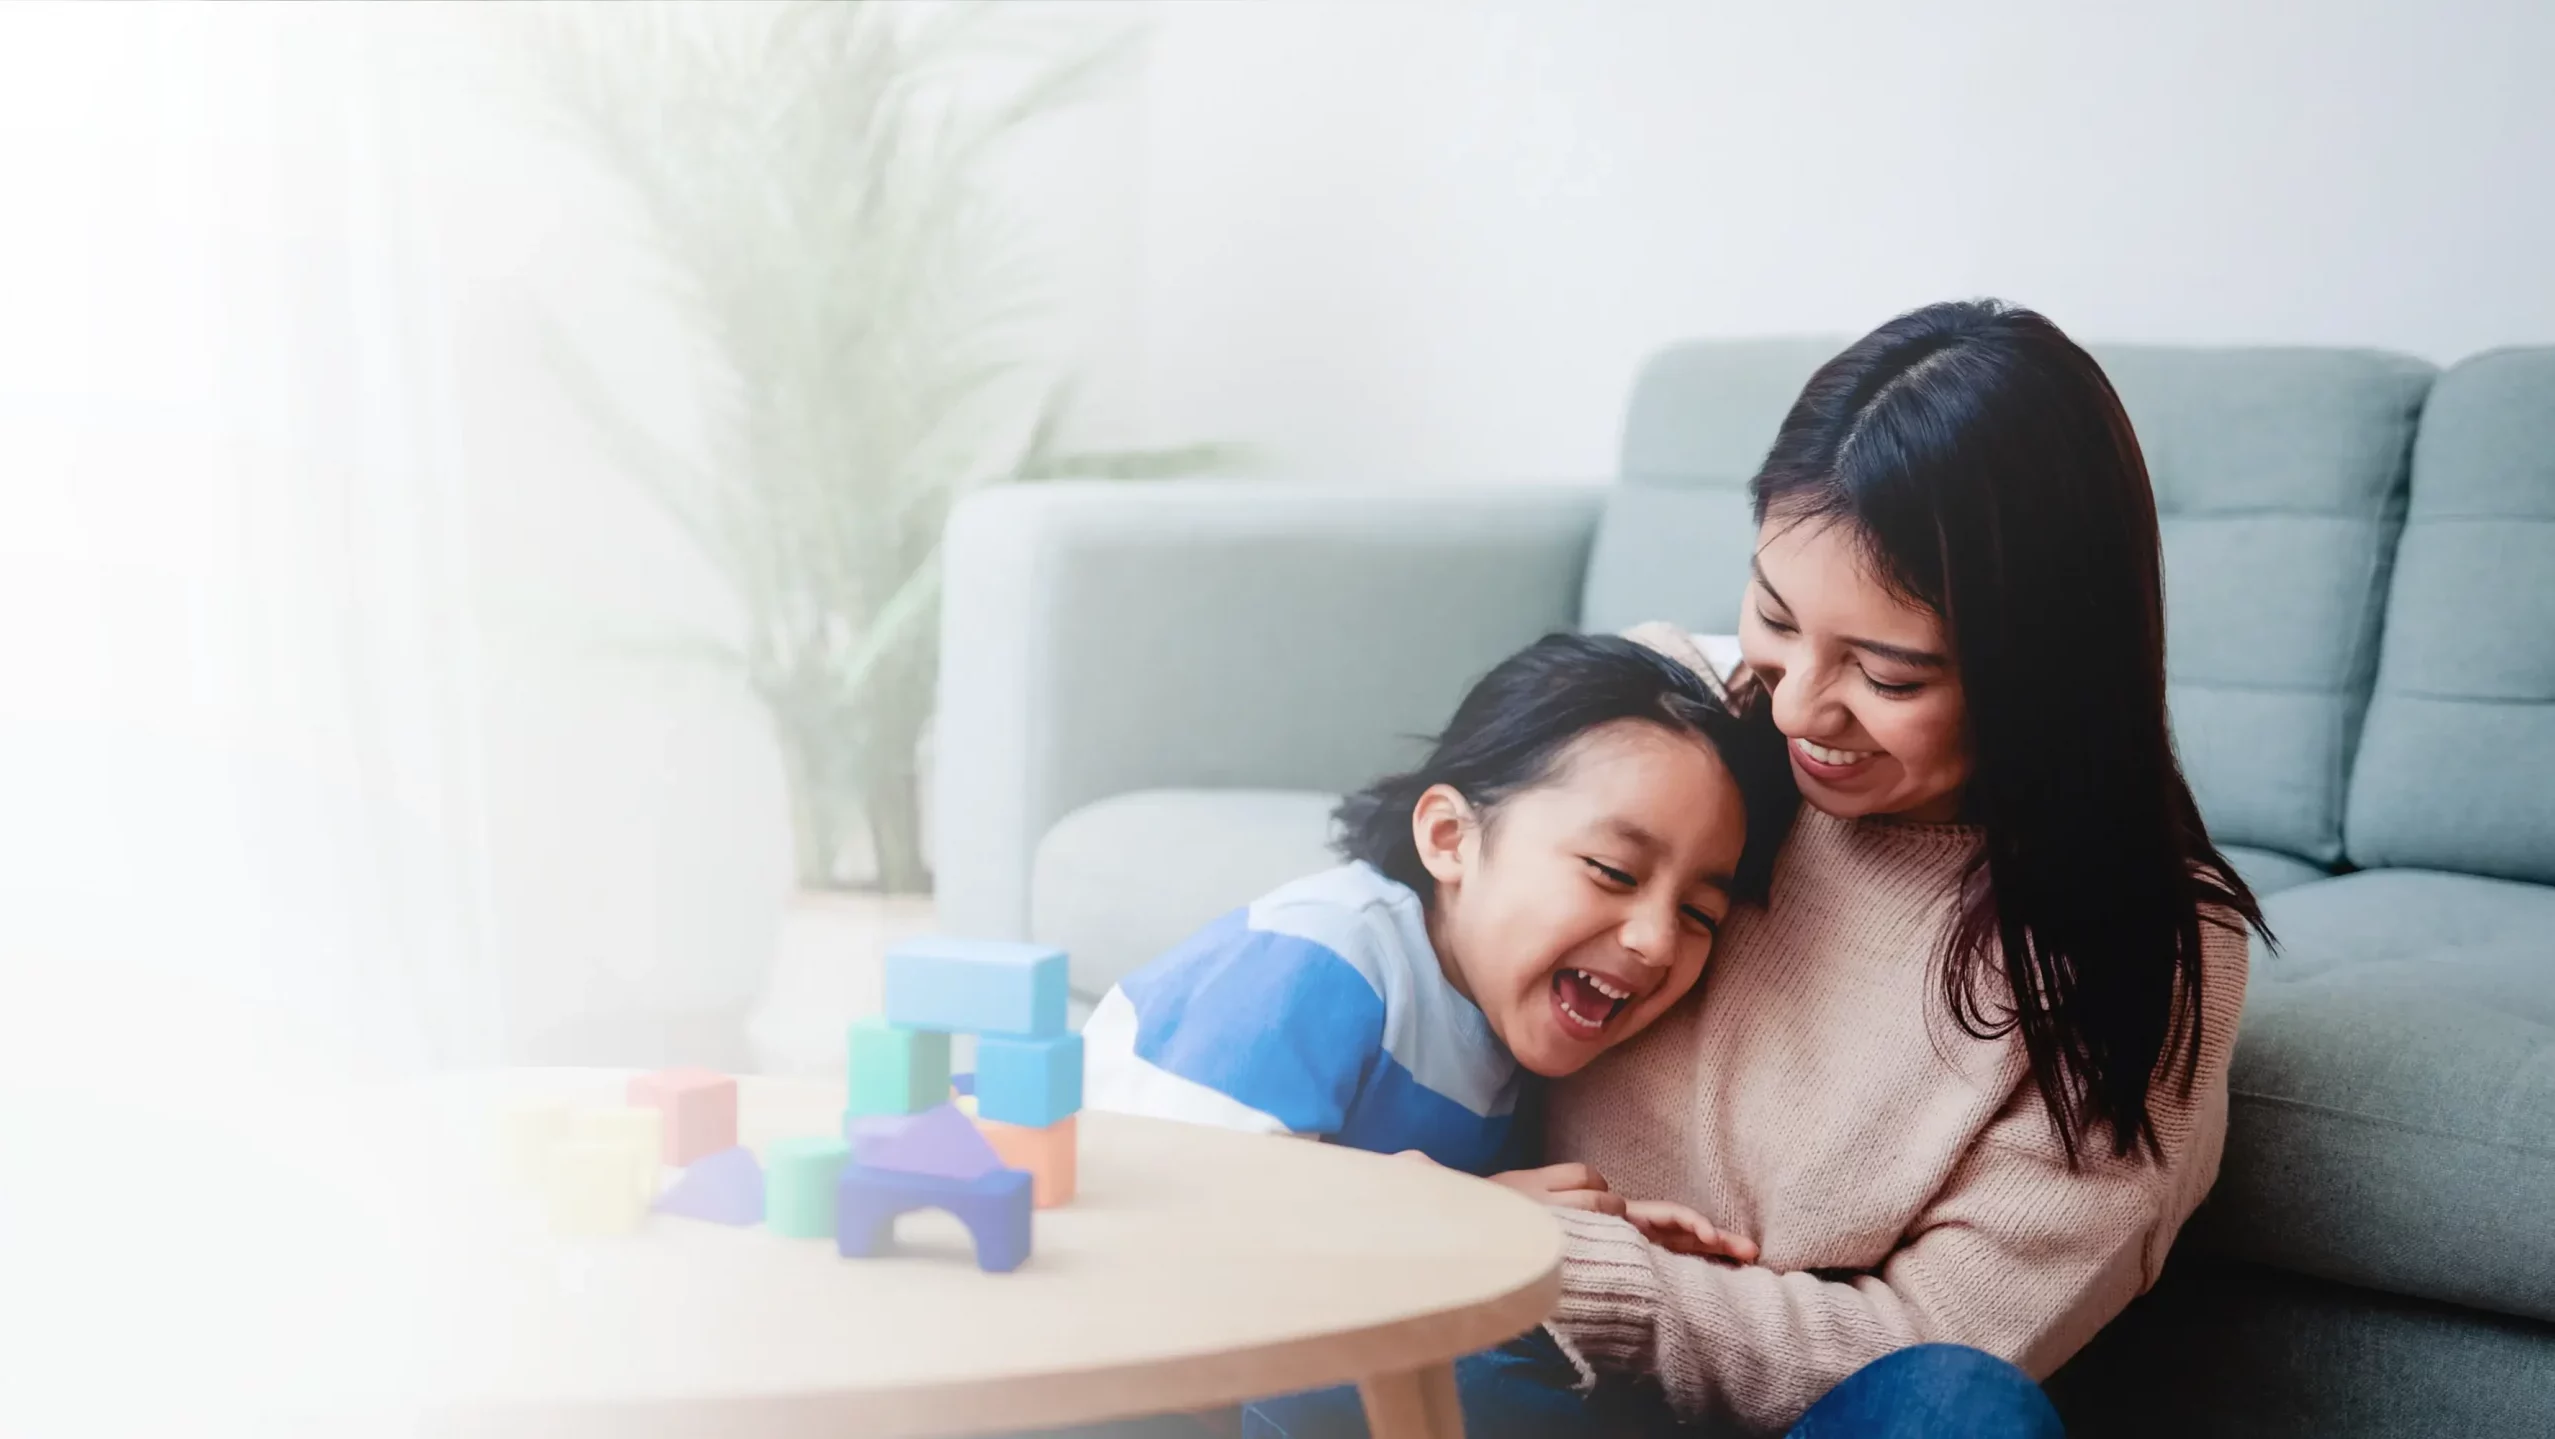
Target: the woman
(1965, 1078)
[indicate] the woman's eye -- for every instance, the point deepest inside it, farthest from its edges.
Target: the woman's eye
(1781, 627)
(1611, 874)
(1894, 691)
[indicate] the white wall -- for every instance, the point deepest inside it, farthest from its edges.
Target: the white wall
(1391, 242)
(1433, 241)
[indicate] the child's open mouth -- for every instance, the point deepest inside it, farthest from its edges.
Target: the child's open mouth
(1586, 1001)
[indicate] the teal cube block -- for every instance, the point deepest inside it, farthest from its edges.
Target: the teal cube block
(977, 986)
(896, 1070)
(1032, 1082)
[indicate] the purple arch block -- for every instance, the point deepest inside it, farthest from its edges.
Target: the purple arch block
(994, 1207)
(723, 1188)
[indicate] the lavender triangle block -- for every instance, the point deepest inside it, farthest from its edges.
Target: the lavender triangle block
(723, 1188)
(940, 1142)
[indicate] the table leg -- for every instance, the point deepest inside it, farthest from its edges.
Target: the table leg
(1413, 1404)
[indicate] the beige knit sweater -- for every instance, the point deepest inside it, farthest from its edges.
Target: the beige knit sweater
(1901, 1176)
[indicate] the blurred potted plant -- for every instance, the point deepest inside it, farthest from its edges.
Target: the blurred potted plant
(817, 175)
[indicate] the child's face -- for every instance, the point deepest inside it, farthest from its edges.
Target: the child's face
(1590, 905)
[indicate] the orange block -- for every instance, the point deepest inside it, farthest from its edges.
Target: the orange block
(1046, 1153)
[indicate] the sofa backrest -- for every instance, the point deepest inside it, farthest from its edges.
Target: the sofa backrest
(2457, 769)
(1675, 538)
(2280, 483)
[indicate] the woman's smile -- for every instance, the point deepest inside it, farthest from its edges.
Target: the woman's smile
(1831, 762)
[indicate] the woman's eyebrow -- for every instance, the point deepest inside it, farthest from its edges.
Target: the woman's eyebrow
(1919, 659)
(1758, 570)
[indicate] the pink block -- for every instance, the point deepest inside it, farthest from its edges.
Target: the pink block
(699, 1108)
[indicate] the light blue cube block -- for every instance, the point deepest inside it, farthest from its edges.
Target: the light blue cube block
(1031, 1082)
(977, 986)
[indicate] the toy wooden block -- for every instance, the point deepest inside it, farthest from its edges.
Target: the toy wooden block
(723, 1188)
(896, 1069)
(1029, 1082)
(994, 1207)
(1047, 1154)
(940, 1141)
(636, 1133)
(799, 1178)
(588, 1191)
(699, 1109)
(529, 1133)
(975, 986)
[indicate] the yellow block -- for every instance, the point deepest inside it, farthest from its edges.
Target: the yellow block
(636, 1131)
(589, 1189)
(529, 1132)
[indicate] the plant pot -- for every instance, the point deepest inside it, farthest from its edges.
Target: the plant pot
(830, 972)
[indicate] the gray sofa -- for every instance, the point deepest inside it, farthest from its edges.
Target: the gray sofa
(1151, 693)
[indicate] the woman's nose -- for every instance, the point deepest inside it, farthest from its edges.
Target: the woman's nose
(1798, 696)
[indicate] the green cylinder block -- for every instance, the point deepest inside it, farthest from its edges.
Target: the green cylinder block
(798, 1186)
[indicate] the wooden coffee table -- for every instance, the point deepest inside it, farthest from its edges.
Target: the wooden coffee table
(1195, 1269)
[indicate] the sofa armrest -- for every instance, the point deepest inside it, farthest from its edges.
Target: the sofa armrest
(1099, 638)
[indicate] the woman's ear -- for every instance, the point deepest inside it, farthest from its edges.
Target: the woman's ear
(1439, 824)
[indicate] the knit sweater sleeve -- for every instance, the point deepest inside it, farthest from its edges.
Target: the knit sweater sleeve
(2018, 1255)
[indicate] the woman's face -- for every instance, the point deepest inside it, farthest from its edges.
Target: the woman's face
(1863, 683)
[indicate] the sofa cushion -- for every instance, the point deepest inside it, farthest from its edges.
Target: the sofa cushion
(2457, 770)
(2392, 1101)
(1119, 881)
(2267, 872)
(2279, 479)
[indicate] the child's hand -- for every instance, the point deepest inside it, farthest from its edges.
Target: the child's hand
(1681, 1230)
(1564, 1186)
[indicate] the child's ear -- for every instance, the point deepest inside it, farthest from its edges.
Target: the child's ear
(1439, 823)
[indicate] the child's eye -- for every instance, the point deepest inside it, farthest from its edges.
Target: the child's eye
(1704, 920)
(1612, 875)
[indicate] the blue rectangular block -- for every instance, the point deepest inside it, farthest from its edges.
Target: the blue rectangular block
(1031, 1082)
(977, 986)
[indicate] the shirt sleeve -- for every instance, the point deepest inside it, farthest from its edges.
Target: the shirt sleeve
(1240, 1028)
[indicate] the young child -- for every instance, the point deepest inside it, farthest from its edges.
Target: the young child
(1538, 891)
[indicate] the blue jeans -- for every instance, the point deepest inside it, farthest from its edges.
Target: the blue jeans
(1524, 1390)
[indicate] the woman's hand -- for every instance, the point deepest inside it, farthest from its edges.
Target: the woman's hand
(1681, 1230)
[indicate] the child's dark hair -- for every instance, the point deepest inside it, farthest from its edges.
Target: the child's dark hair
(1510, 732)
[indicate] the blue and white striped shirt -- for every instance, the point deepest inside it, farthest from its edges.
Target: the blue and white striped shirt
(1319, 1010)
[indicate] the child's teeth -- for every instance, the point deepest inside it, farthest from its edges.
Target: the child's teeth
(1602, 986)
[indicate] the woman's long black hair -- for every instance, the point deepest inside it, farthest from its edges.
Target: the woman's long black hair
(1514, 726)
(1993, 478)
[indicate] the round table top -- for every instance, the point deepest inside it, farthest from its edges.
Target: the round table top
(1195, 1267)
